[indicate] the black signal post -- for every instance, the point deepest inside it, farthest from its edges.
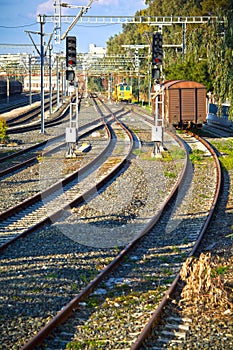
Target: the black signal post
(157, 60)
(72, 130)
(70, 51)
(70, 57)
(157, 49)
(157, 54)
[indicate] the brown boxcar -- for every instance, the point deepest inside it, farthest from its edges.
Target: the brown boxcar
(184, 103)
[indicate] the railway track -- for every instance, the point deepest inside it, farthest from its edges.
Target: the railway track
(17, 101)
(167, 328)
(30, 114)
(26, 156)
(122, 287)
(133, 275)
(32, 163)
(119, 343)
(31, 119)
(34, 209)
(116, 164)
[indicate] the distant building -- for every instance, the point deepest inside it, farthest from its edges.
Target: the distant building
(35, 83)
(97, 50)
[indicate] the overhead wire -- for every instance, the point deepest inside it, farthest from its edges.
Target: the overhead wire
(15, 27)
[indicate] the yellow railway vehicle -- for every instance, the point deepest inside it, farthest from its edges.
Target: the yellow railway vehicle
(123, 92)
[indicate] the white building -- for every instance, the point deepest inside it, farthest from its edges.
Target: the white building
(97, 50)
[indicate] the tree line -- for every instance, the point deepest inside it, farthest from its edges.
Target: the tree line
(208, 56)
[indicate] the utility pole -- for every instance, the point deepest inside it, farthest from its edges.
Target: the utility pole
(30, 78)
(42, 54)
(42, 22)
(50, 81)
(58, 83)
(183, 41)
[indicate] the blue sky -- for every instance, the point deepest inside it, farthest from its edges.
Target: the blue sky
(18, 16)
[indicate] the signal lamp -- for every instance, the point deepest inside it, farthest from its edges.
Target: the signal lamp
(70, 51)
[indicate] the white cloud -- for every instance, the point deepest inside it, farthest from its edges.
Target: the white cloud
(46, 7)
(108, 2)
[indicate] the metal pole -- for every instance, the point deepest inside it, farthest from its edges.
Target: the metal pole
(50, 81)
(109, 86)
(62, 82)
(183, 41)
(71, 113)
(58, 89)
(8, 88)
(42, 22)
(149, 76)
(30, 79)
(86, 85)
(77, 112)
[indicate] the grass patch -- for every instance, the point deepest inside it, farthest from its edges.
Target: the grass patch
(86, 344)
(93, 301)
(219, 270)
(3, 131)
(174, 153)
(51, 275)
(226, 148)
(227, 162)
(137, 152)
(169, 174)
(196, 156)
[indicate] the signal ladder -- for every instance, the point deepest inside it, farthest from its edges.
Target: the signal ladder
(158, 128)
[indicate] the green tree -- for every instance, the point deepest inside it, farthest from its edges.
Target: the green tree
(220, 59)
(209, 46)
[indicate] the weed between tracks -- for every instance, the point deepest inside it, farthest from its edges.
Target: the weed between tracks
(196, 156)
(226, 149)
(205, 284)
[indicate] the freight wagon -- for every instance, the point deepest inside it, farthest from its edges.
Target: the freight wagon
(184, 103)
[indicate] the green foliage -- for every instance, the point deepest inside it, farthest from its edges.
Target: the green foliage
(219, 270)
(226, 148)
(208, 56)
(227, 162)
(196, 156)
(95, 84)
(3, 130)
(169, 174)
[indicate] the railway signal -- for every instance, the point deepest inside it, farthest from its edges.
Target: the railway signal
(70, 51)
(157, 49)
(70, 75)
(155, 73)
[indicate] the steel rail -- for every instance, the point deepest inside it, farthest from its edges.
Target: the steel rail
(70, 307)
(34, 126)
(92, 125)
(60, 114)
(68, 310)
(157, 313)
(57, 185)
(36, 198)
(29, 114)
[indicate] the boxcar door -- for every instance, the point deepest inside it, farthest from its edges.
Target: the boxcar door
(174, 106)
